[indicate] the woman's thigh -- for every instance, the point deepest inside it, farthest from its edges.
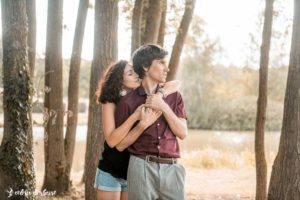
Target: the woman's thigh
(124, 195)
(105, 195)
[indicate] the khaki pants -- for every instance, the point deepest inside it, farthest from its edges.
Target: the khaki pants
(151, 181)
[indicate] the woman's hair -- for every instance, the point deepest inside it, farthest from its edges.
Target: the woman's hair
(110, 84)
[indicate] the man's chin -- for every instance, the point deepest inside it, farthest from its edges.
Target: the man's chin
(163, 80)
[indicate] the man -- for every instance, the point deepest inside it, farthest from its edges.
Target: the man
(153, 171)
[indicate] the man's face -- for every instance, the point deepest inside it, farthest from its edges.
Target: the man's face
(158, 70)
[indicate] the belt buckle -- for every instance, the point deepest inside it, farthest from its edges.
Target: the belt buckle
(148, 157)
(173, 161)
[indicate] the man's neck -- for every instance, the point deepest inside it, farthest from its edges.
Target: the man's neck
(149, 85)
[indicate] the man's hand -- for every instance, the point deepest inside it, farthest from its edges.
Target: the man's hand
(155, 102)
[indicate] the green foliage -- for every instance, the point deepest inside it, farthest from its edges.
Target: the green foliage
(221, 98)
(84, 78)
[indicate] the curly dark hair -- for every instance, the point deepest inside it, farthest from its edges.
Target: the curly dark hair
(144, 55)
(111, 83)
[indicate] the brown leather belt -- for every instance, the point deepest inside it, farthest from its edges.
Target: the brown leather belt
(157, 159)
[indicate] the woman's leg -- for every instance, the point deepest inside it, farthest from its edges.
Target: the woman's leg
(124, 195)
(104, 195)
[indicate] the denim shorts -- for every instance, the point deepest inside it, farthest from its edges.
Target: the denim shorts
(106, 182)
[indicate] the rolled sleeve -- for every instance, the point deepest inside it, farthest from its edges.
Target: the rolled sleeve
(179, 108)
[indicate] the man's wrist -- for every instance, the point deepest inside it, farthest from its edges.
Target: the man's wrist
(164, 107)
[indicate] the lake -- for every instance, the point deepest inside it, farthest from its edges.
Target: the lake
(229, 146)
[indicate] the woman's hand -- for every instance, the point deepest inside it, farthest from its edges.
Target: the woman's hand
(170, 87)
(138, 111)
(149, 116)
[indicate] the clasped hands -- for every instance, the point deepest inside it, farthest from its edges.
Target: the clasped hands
(151, 110)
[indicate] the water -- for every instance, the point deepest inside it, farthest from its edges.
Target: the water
(198, 139)
(38, 133)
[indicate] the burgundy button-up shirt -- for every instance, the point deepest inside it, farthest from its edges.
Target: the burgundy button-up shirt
(158, 139)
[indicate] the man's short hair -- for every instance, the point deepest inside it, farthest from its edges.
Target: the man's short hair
(144, 56)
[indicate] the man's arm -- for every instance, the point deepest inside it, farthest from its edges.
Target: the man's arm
(177, 124)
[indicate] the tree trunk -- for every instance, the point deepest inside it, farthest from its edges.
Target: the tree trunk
(144, 20)
(261, 164)
(162, 27)
(73, 88)
(136, 24)
(55, 162)
(16, 156)
(285, 176)
(105, 51)
(154, 12)
(179, 41)
(31, 42)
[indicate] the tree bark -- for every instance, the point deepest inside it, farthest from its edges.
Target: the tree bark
(31, 43)
(55, 162)
(162, 27)
(285, 176)
(16, 156)
(261, 164)
(153, 21)
(181, 35)
(136, 24)
(73, 88)
(31, 40)
(105, 51)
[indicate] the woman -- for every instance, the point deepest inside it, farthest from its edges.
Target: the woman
(119, 80)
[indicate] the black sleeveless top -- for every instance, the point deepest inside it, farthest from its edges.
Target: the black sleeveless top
(114, 161)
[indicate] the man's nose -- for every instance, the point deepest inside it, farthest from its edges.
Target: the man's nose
(167, 69)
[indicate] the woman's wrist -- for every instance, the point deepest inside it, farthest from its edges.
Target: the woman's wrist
(162, 92)
(143, 125)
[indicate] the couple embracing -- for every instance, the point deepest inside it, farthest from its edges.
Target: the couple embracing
(143, 115)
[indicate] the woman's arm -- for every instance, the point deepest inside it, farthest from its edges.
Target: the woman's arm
(148, 117)
(169, 88)
(114, 135)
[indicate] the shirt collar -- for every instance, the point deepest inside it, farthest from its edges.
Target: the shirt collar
(141, 91)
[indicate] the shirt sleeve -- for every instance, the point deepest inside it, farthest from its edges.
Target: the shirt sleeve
(122, 112)
(179, 109)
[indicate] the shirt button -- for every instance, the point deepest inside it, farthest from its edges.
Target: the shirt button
(158, 124)
(159, 137)
(158, 147)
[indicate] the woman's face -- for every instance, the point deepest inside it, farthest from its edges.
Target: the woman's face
(130, 78)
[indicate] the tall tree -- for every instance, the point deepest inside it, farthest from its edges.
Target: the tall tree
(31, 40)
(181, 35)
(73, 88)
(260, 159)
(136, 24)
(16, 157)
(153, 19)
(162, 26)
(105, 51)
(31, 43)
(55, 162)
(285, 176)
